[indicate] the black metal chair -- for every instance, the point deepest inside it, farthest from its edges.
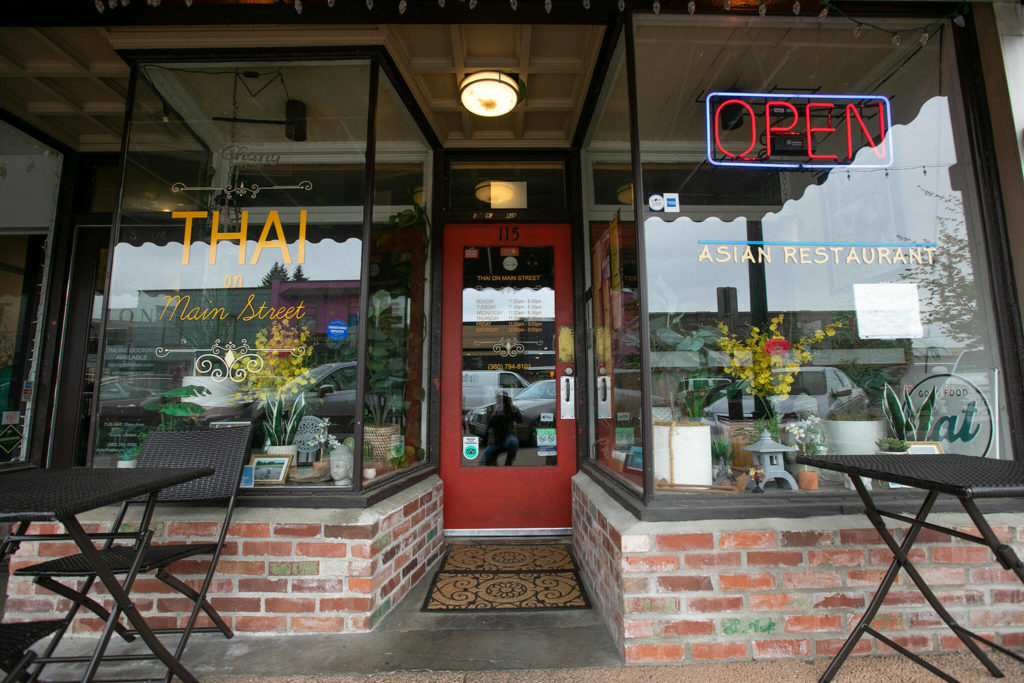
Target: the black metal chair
(15, 641)
(226, 449)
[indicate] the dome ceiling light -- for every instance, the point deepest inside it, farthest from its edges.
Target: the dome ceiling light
(490, 93)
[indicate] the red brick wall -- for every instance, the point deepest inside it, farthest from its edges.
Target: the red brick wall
(308, 570)
(728, 590)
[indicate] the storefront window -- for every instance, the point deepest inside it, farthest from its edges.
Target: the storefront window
(814, 185)
(234, 292)
(29, 182)
(617, 428)
(394, 429)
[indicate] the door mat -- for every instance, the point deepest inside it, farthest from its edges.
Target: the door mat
(506, 577)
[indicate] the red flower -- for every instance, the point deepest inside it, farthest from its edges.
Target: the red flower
(776, 347)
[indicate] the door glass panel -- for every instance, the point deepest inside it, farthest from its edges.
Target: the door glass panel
(508, 356)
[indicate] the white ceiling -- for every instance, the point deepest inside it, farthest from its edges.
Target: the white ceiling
(71, 84)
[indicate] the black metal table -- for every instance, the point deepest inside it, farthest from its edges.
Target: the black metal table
(34, 495)
(966, 478)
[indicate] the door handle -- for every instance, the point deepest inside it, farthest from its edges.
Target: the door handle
(567, 400)
(604, 398)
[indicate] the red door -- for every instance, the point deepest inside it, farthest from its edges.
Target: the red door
(507, 327)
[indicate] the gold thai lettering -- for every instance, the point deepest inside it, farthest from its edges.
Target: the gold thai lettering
(273, 222)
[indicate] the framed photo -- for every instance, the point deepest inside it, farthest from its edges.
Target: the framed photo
(247, 477)
(924, 447)
(270, 469)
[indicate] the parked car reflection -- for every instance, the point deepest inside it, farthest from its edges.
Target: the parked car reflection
(533, 402)
(815, 391)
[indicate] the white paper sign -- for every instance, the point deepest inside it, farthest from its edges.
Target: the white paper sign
(888, 310)
(470, 447)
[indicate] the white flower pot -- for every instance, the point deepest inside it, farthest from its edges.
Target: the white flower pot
(682, 453)
(127, 463)
(291, 450)
(851, 437)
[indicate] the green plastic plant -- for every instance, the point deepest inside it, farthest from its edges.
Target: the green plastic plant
(386, 360)
(176, 413)
(282, 417)
(888, 443)
(721, 451)
(907, 422)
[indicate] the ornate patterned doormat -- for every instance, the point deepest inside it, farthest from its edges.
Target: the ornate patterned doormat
(475, 578)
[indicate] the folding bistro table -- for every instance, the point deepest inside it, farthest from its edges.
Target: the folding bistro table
(34, 495)
(967, 478)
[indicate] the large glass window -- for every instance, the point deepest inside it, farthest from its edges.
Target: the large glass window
(29, 183)
(238, 267)
(614, 343)
(812, 246)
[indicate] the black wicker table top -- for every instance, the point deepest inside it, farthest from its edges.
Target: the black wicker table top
(35, 495)
(957, 475)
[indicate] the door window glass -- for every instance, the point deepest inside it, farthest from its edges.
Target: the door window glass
(508, 356)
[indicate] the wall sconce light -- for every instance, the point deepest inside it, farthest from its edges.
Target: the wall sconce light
(490, 93)
(624, 194)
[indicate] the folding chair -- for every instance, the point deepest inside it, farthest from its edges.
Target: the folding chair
(225, 449)
(15, 641)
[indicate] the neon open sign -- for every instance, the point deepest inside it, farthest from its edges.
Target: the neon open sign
(778, 130)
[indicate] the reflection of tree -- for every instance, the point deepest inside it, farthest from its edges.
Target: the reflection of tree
(277, 272)
(950, 299)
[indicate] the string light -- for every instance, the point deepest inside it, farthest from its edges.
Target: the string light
(796, 8)
(402, 4)
(100, 7)
(960, 21)
(547, 6)
(472, 4)
(859, 29)
(762, 9)
(657, 7)
(622, 5)
(298, 6)
(440, 3)
(586, 4)
(369, 4)
(330, 3)
(924, 38)
(514, 4)
(691, 7)
(727, 5)
(896, 40)
(823, 13)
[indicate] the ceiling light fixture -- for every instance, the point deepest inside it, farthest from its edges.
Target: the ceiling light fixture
(624, 195)
(494, 192)
(490, 93)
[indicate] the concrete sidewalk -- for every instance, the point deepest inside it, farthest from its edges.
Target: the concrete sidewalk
(410, 646)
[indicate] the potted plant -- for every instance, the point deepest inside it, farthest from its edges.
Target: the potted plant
(682, 449)
(852, 433)
(808, 436)
(175, 412)
(386, 371)
(281, 421)
(891, 446)
(721, 456)
(905, 420)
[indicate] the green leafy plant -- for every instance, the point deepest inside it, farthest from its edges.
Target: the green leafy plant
(282, 417)
(907, 422)
(386, 360)
(721, 451)
(888, 443)
(176, 413)
(129, 453)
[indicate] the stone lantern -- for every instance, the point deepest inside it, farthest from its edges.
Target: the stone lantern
(769, 456)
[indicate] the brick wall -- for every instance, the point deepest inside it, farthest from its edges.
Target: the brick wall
(284, 570)
(781, 588)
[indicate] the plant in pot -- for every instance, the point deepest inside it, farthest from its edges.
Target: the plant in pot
(807, 435)
(907, 422)
(852, 433)
(721, 456)
(682, 449)
(386, 372)
(175, 412)
(891, 446)
(281, 421)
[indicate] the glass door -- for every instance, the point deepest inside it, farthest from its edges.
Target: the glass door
(508, 434)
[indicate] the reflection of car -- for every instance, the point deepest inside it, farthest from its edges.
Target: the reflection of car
(532, 402)
(480, 386)
(815, 390)
(330, 391)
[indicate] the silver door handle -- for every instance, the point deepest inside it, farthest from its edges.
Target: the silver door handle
(567, 400)
(604, 398)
